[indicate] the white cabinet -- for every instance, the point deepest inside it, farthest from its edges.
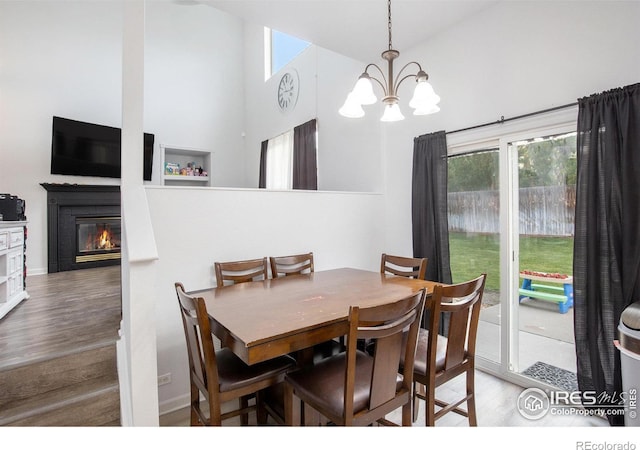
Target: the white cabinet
(178, 164)
(12, 245)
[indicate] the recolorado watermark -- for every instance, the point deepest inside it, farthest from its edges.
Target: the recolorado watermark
(590, 445)
(535, 403)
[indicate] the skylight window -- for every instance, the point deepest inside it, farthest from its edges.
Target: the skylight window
(280, 49)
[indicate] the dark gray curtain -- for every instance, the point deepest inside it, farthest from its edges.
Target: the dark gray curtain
(429, 205)
(262, 179)
(606, 265)
(305, 167)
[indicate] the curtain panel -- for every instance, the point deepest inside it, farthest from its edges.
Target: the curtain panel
(262, 178)
(429, 205)
(305, 166)
(606, 264)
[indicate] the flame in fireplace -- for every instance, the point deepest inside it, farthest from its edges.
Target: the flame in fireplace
(102, 240)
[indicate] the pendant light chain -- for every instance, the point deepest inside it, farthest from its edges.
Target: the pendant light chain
(389, 9)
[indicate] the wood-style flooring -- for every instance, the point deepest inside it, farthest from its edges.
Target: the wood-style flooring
(57, 351)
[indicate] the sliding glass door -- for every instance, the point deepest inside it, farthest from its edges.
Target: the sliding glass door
(543, 188)
(511, 204)
(474, 235)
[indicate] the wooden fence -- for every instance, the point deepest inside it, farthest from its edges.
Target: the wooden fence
(544, 211)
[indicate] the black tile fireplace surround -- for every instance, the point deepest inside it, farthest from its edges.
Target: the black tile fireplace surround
(66, 205)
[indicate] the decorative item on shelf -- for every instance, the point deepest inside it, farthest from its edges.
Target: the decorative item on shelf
(171, 168)
(424, 100)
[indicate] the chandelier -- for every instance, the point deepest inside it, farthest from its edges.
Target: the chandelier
(424, 100)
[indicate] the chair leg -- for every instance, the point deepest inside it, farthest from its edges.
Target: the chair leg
(291, 406)
(430, 406)
(471, 402)
(244, 418)
(195, 405)
(261, 410)
(418, 388)
(407, 416)
(311, 416)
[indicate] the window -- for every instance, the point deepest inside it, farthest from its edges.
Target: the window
(280, 161)
(280, 49)
(289, 161)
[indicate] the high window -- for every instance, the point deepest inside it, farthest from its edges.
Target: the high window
(280, 49)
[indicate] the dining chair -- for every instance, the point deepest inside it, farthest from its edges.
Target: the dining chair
(282, 266)
(354, 388)
(291, 265)
(220, 376)
(404, 266)
(241, 271)
(439, 358)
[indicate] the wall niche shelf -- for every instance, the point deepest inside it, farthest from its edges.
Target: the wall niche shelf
(175, 158)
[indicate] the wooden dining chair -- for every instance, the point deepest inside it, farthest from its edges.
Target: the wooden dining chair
(291, 265)
(282, 266)
(220, 376)
(440, 359)
(241, 271)
(353, 387)
(404, 266)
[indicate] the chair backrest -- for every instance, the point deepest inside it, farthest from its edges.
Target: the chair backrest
(203, 370)
(404, 266)
(385, 325)
(241, 271)
(291, 265)
(461, 303)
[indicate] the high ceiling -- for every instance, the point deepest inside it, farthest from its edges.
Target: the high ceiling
(355, 28)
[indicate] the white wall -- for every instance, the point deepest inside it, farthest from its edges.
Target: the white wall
(65, 58)
(58, 58)
(194, 89)
(207, 225)
(349, 152)
(512, 59)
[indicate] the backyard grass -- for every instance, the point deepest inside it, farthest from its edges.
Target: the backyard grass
(472, 254)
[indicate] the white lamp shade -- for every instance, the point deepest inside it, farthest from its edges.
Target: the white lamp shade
(392, 113)
(351, 108)
(363, 91)
(424, 97)
(427, 110)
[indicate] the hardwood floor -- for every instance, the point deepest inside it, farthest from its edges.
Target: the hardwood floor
(496, 403)
(57, 361)
(57, 351)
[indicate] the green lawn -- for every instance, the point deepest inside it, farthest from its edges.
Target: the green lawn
(473, 254)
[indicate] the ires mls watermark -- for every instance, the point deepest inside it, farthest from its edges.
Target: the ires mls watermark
(534, 403)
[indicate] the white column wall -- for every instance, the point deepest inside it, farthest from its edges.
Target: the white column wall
(194, 227)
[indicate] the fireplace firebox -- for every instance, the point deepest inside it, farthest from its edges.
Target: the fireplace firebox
(97, 238)
(83, 226)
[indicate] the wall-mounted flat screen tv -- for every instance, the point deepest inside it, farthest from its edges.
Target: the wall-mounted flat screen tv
(87, 149)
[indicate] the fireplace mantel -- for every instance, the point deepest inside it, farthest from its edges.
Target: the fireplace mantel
(85, 197)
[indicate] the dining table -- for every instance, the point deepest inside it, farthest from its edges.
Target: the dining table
(261, 320)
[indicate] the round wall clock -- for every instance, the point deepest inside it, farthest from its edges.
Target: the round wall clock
(288, 90)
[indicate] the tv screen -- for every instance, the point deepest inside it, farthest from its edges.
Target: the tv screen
(87, 149)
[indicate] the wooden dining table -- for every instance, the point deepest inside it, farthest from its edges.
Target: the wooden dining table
(261, 320)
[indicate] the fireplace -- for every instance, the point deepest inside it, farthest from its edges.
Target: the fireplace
(83, 226)
(97, 238)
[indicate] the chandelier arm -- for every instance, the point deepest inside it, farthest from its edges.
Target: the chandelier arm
(382, 85)
(400, 80)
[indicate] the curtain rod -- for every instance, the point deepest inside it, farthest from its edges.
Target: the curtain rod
(503, 120)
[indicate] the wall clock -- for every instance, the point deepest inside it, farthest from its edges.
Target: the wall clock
(288, 89)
